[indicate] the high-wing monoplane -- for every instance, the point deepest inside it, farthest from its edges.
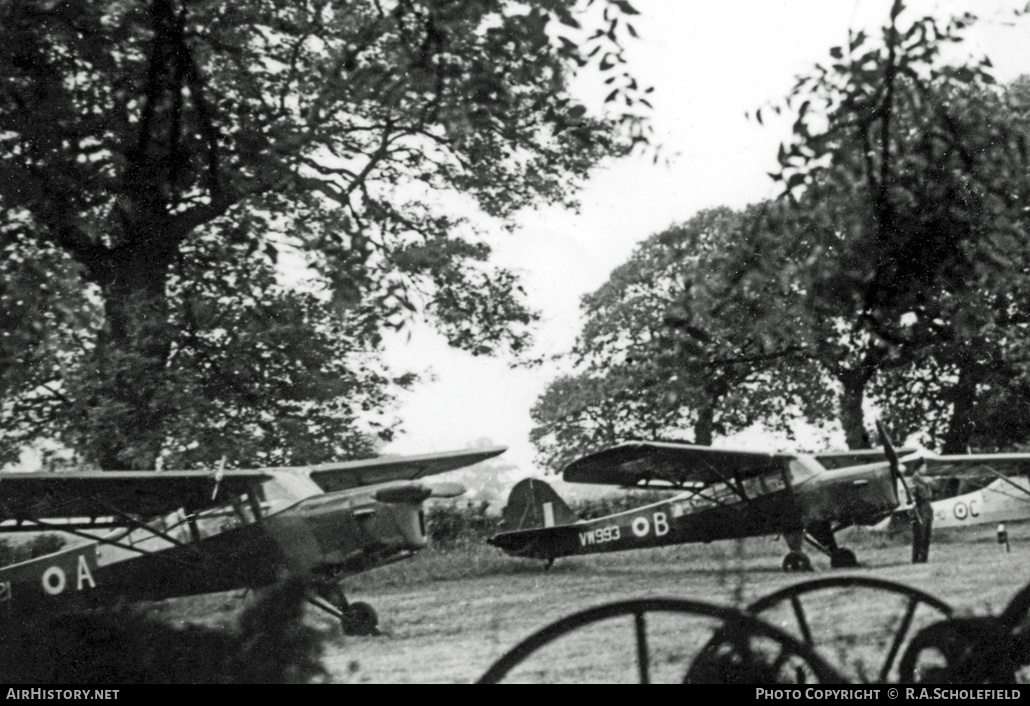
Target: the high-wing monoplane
(1005, 499)
(159, 534)
(728, 494)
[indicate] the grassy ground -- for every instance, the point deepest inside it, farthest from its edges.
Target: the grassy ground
(447, 616)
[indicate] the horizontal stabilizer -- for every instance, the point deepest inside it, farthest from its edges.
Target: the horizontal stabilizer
(412, 493)
(417, 492)
(542, 543)
(447, 490)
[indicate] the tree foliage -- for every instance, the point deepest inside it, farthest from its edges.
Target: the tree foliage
(362, 137)
(674, 341)
(911, 178)
(894, 267)
(258, 373)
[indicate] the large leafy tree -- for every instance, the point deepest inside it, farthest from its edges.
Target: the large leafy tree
(926, 319)
(259, 373)
(674, 346)
(349, 133)
(895, 265)
(910, 176)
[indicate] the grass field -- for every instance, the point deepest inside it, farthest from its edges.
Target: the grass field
(447, 616)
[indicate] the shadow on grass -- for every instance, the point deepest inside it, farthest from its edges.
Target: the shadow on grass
(270, 644)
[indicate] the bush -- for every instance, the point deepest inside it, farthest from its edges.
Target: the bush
(450, 526)
(612, 504)
(270, 645)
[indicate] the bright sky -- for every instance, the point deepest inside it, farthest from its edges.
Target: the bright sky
(710, 63)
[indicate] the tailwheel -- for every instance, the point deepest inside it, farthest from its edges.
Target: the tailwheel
(359, 619)
(843, 559)
(797, 561)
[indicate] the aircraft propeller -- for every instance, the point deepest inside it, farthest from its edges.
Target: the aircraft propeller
(892, 458)
(895, 465)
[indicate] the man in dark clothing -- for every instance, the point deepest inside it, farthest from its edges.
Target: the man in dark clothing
(922, 522)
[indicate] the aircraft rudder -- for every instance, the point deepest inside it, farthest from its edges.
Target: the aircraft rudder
(533, 504)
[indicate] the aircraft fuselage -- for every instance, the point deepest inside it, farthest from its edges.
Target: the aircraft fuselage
(323, 537)
(673, 521)
(789, 500)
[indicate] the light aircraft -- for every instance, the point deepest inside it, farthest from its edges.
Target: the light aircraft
(1005, 499)
(160, 534)
(727, 494)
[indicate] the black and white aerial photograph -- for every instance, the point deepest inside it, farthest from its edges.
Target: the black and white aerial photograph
(515, 341)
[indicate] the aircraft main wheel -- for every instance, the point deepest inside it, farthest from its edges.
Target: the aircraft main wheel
(360, 619)
(797, 561)
(843, 559)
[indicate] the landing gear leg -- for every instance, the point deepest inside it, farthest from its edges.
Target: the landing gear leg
(840, 557)
(796, 560)
(355, 618)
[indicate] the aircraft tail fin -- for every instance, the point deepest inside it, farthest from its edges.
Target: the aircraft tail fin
(533, 504)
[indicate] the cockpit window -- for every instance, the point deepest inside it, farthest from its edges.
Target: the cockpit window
(288, 487)
(802, 468)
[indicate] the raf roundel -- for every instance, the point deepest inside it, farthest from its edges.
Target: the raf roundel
(54, 580)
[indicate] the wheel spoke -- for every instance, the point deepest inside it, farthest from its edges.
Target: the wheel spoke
(906, 623)
(643, 660)
(711, 664)
(799, 614)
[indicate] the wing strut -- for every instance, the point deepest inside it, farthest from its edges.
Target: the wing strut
(1009, 481)
(137, 524)
(733, 483)
(101, 540)
(714, 501)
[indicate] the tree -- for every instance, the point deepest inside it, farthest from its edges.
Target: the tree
(810, 278)
(259, 373)
(669, 345)
(895, 265)
(349, 133)
(910, 177)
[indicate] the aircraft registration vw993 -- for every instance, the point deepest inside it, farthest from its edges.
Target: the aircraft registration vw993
(728, 494)
(159, 534)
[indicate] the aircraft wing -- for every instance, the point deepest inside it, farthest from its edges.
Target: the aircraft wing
(831, 460)
(643, 463)
(90, 494)
(331, 477)
(976, 465)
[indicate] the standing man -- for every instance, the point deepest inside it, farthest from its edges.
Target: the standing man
(922, 520)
